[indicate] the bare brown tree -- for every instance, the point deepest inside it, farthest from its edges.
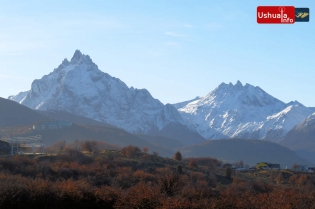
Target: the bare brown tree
(145, 150)
(61, 146)
(90, 146)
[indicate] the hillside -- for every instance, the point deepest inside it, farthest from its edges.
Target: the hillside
(14, 114)
(162, 138)
(113, 136)
(250, 151)
(77, 119)
(161, 141)
(301, 139)
(181, 133)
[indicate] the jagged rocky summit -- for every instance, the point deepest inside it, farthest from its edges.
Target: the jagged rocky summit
(242, 111)
(79, 87)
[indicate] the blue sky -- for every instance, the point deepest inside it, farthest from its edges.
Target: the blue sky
(177, 49)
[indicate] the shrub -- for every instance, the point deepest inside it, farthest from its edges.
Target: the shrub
(279, 178)
(210, 163)
(192, 164)
(130, 151)
(177, 156)
(179, 169)
(90, 146)
(169, 184)
(237, 180)
(228, 172)
(145, 150)
(156, 154)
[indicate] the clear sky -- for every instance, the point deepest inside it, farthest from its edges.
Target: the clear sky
(177, 49)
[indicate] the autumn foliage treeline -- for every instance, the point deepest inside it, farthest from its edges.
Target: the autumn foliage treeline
(135, 179)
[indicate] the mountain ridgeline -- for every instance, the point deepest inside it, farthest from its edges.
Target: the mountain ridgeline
(250, 151)
(79, 87)
(301, 139)
(79, 92)
(237, 111)
(13, 114)
(253, 151)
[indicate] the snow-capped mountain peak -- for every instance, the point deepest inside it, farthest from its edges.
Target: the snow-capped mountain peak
(182, 104)
(79, 87)
(295, 102)
(310, 120)
(243, 111)
(79, 58)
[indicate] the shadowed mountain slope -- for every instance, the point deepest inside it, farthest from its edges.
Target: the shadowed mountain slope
(250, 151)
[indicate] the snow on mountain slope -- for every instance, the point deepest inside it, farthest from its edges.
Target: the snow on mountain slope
(19, 97)
(79, 87)
(183, 104)
(278, 124)
(309, 121)
(237, 111)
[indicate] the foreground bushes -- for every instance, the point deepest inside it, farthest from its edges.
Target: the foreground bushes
(22, 192)
(77, 181)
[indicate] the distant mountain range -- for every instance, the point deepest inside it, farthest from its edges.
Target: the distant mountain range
(250, 151)
(79, 87)
(79, 92)
(237, 111)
